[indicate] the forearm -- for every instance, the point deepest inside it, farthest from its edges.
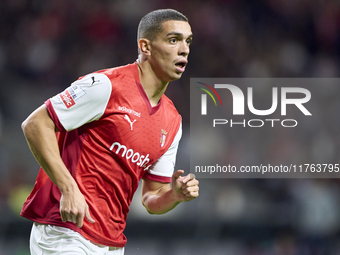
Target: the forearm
(161, 202)
(39, 131)
(159, 198)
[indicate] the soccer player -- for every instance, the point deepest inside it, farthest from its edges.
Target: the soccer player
(97, 139)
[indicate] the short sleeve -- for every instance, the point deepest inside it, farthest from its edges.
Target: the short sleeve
(83, 102)
(163, 168)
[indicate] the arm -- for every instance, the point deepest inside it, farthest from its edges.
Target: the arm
(39, 131)
(159, 198)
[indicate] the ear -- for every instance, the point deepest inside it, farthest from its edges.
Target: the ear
(144, 46)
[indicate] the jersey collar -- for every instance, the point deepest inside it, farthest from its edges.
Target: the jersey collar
(151, 109)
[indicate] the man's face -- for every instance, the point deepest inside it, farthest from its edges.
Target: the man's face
(170, 50)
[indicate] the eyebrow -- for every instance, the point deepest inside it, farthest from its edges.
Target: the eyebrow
(178, 34)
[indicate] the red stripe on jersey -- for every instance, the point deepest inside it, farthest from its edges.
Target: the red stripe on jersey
(157, 178)
(54, 116)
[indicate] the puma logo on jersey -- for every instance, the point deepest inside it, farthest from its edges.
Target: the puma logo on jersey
(93, 80)
(129, 120)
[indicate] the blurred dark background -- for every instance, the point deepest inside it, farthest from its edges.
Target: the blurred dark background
(46, 45)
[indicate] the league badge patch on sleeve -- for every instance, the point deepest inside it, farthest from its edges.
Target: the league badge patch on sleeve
(67, 99)
(70, 95)
(163, 136)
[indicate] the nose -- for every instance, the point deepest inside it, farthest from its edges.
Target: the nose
(184, 49)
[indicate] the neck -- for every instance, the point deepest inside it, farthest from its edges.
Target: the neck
(154, 88)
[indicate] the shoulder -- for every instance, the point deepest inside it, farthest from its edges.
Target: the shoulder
(120, 72)
(169, 106)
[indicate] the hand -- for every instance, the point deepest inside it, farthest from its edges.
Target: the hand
(185, 187)
(74, 208)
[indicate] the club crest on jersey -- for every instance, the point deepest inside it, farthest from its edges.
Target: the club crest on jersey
(163, 136)
(70, 95)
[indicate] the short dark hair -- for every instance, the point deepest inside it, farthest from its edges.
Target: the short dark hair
(152, 23)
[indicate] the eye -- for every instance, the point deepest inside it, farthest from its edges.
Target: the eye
(173, 40)
(189, 41)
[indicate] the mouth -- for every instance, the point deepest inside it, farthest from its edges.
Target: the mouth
(180, 65)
